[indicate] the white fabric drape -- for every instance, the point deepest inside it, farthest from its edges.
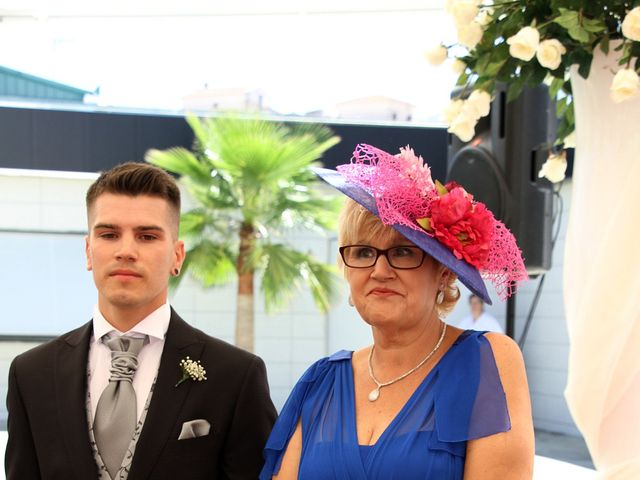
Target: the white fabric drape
(602, 274)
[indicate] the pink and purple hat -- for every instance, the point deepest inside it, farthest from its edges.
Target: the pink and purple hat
(443, 220)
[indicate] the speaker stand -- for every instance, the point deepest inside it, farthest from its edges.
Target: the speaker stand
(511, 316)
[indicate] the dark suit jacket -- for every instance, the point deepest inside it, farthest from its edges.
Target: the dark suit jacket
(48, 431)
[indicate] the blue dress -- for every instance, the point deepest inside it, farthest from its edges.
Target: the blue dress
(460, 399)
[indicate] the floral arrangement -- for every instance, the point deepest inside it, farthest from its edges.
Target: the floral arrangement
(191, 369)
(406, 194)
(465, 226)
(526, 43)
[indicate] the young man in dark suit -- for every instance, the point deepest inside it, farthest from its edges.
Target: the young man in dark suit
(136, 393)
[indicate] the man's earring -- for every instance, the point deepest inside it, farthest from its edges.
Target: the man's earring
(350, 301)
(176, 272)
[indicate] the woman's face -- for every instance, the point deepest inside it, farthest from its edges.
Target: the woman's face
(385, 296)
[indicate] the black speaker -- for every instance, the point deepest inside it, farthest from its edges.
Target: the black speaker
(500, 165)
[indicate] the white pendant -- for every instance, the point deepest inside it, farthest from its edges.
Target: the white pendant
(374, 394)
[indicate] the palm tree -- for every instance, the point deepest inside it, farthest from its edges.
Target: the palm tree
(251, 180)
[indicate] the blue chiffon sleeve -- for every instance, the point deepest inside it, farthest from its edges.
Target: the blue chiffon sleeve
(470, 402)
(290, 414)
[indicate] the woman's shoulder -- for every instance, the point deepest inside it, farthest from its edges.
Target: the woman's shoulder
(504, 348)
(469, 397)
(322, 367)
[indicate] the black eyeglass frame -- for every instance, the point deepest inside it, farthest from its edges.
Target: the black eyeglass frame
(384, 252)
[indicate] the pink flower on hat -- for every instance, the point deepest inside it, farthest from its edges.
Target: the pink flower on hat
(463, 226)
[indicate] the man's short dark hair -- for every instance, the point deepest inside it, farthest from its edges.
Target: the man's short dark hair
(135, 179)
(473, 295)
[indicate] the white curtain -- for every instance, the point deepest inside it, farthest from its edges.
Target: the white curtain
(602, 275)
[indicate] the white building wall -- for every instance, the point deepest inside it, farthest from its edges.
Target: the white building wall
(289, 341)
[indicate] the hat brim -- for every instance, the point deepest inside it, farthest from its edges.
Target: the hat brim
(466, 273)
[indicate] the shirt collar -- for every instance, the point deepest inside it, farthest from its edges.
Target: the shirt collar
(155, 325)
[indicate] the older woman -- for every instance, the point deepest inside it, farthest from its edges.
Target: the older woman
(425, 401)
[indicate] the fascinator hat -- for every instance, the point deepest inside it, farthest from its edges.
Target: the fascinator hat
(443, 220)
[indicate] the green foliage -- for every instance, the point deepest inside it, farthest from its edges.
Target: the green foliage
(580, 26)
(252, 172)
(287, 269)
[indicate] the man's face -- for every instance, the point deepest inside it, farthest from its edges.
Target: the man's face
(132, 250)
(476, 306)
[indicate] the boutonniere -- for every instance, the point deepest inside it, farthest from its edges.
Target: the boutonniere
(191, 369)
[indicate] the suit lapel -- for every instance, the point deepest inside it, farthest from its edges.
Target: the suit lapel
(167, 400)
(71, 384)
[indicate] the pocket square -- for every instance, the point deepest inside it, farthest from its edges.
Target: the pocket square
(194, 429)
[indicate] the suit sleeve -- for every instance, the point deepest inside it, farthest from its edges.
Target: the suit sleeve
(253, 419)
(21, 462)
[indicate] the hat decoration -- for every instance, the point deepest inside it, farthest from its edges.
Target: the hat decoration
(405, 194)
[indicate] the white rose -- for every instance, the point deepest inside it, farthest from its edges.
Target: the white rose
(464, 11)
(555, 167)
(481, 100)
(452, 110)
(485, 16)
(625, 85)
(570, 140)
(470, 110)
(463, 127)
(549, 53)
(523, 45)
(631, 25)
(458, 66)
(470, 35)
(436, 55)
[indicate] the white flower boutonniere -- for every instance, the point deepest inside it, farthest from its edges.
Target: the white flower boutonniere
(191, 369)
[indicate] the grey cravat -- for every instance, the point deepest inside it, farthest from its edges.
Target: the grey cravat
(116, 413)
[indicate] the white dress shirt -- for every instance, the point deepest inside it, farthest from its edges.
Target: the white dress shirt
(484, 322)
(155, 326)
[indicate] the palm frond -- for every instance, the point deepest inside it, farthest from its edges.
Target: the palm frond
(181, 161)
(323, 281)
(287, 270)
(211, 263)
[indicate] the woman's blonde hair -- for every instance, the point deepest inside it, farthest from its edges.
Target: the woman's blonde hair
(357, 225)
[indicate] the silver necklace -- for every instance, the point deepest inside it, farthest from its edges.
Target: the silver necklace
(375, 393)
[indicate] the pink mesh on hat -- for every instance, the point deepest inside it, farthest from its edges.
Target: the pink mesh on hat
(401, 184)
(405, 192)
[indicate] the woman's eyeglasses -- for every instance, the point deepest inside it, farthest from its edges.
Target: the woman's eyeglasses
(366, 256)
